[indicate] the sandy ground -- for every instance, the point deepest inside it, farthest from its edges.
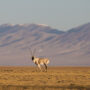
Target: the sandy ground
(56, 78)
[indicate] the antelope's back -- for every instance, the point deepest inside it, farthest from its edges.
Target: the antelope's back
(44, 60)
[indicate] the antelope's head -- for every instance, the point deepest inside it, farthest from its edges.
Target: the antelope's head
(32, 58)
(32, 54)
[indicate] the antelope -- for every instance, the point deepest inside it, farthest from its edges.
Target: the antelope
(39, 61)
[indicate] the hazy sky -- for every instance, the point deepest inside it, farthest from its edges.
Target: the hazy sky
(60, 14)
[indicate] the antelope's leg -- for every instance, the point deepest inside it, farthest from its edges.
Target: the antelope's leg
(36, 67)
(39, 67)
(45, 67)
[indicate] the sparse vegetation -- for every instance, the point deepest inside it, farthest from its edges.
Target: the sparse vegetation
(56, 78)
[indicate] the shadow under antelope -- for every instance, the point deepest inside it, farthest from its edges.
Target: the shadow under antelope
(40, 61)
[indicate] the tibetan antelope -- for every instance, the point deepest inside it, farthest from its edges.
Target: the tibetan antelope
(39, 61)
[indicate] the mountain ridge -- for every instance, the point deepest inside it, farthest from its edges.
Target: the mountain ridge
(63, 48)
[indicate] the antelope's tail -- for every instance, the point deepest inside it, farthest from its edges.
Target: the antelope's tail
(47, 62)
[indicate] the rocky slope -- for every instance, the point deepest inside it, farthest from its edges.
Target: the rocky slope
(63, 48)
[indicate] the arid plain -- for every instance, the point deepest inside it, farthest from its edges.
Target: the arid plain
(56, 78)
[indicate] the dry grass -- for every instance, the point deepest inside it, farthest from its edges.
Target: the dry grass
(57, 78)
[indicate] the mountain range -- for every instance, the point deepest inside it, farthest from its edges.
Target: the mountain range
(69, 48)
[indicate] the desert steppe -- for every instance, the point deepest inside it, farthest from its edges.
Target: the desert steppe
(56, 78)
